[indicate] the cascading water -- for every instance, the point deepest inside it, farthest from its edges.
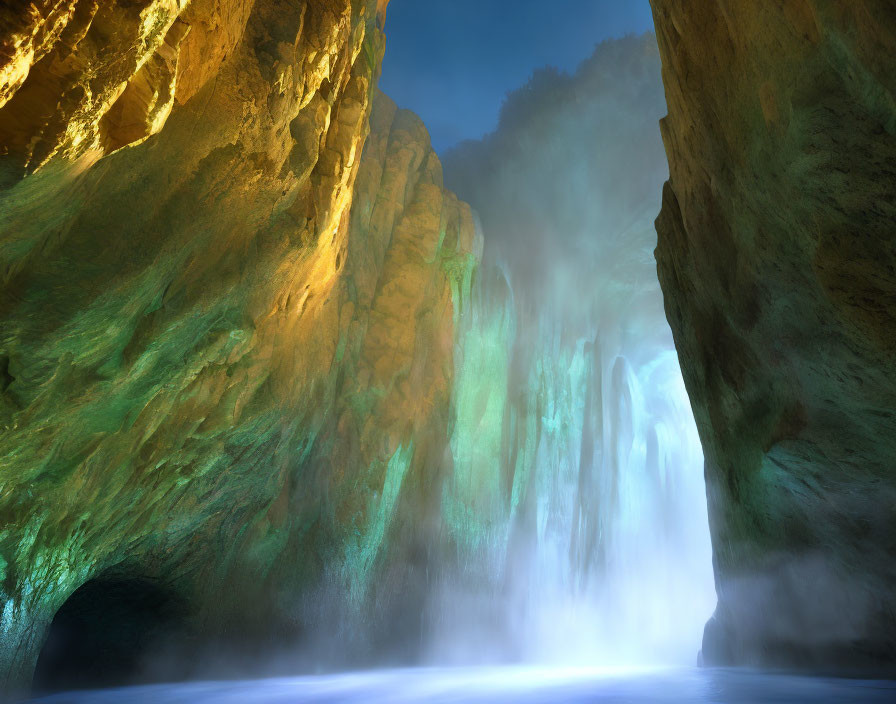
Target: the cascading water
(576, 499)
(566, 523)
(577, 480)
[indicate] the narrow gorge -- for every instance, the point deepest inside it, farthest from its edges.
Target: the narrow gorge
(285, 388)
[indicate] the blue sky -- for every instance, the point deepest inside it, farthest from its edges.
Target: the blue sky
(453, 61)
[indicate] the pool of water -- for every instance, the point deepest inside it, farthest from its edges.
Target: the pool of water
(508, 685)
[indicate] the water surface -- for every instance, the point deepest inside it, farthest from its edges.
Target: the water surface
(505, 685)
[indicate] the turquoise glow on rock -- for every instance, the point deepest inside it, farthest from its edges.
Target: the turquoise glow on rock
(362, 549)
(473, 508)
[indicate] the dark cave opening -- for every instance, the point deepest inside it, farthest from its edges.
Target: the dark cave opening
(114, 631)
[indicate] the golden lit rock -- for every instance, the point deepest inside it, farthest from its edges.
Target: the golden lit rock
(212, 337)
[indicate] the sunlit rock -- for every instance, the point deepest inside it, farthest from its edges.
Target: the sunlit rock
(85, 78)
(214, 374)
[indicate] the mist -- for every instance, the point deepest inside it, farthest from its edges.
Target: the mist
(389, 351)
(576, 498)
(549, 508)
(565, 524)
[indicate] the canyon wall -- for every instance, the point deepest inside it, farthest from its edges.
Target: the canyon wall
(216, 375)
(777, 257)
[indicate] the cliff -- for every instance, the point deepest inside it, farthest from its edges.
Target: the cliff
(777, 253)
(217, 377)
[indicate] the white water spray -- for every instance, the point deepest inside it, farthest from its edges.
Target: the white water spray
(576, 498)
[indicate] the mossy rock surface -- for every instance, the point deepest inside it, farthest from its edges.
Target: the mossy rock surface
(777, 257)
(210, 362)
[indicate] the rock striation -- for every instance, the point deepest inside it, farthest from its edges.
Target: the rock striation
(777, 257)
(218, 376)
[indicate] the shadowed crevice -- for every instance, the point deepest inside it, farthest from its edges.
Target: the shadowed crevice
(114, 631)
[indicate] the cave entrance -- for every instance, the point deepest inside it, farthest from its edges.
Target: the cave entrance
(114, 631)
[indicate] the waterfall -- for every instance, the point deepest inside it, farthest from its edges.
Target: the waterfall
(576, 501)
(566, 521)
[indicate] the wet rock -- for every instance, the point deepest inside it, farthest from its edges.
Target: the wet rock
(777, 257)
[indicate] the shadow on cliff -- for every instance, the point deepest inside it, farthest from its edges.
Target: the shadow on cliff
(114, 631)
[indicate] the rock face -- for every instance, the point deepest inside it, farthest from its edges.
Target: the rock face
(410, 269)
(777, 257)
(216, 377)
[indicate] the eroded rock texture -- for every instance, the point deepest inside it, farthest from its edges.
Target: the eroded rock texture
(777, 256)
(408, 277)
(213, 374)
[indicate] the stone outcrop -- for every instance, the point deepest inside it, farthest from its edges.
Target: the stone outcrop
(215, 375)
(777, 256)
(409, 272)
